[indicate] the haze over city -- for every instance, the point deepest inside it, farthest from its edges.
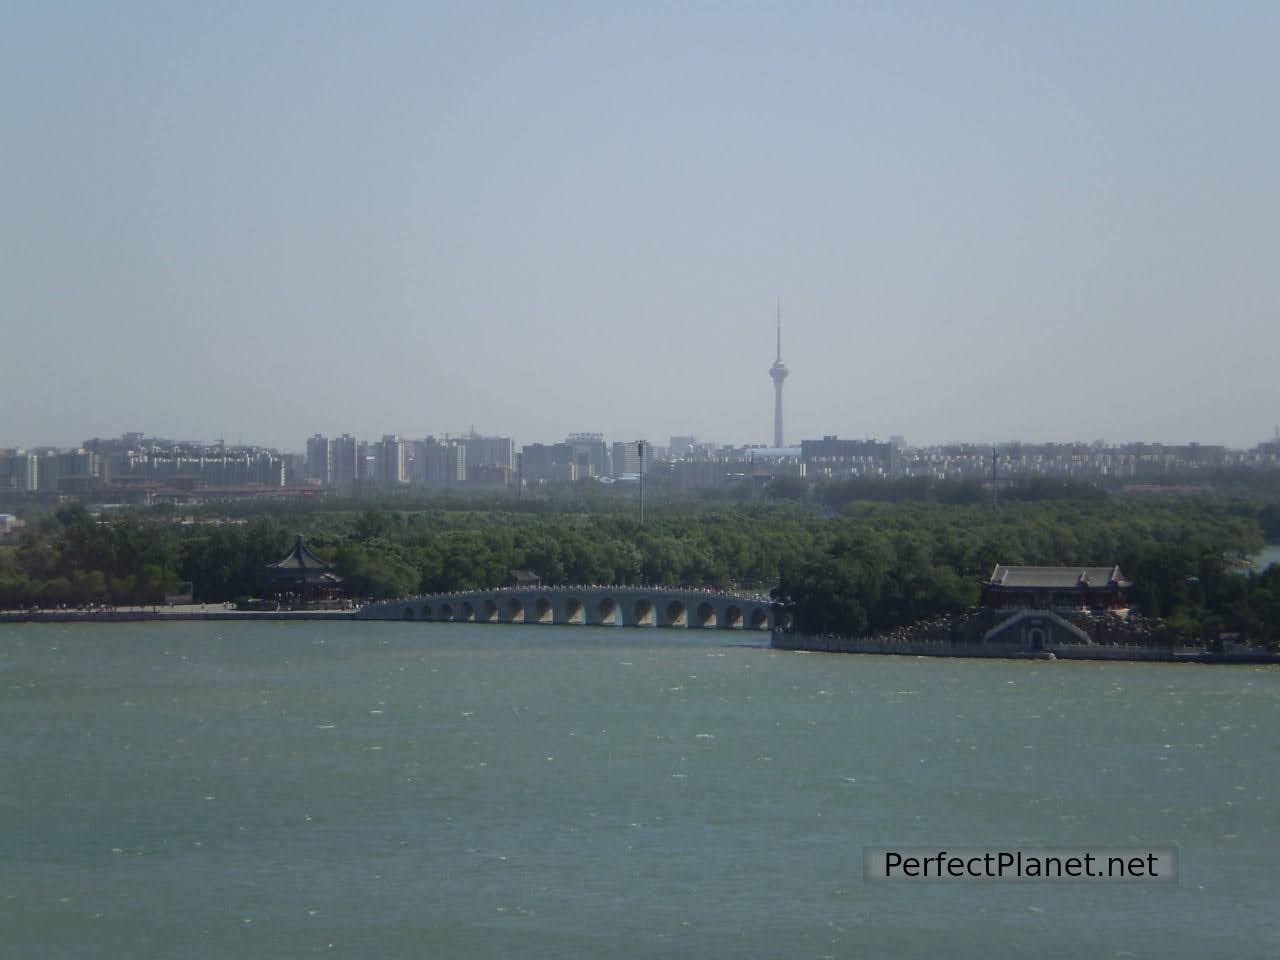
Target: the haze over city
(985, 223)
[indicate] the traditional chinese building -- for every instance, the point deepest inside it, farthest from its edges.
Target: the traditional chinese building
(525, 579)
(1057, 588)
(302, 576)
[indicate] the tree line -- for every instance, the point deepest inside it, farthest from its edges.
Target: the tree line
(850, 558)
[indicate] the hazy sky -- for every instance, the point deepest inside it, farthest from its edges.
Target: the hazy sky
(985, 221)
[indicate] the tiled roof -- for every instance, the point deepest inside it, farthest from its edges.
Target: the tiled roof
(299, 558)
(1057, 578)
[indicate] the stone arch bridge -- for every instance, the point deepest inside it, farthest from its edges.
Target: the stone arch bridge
(589, 606)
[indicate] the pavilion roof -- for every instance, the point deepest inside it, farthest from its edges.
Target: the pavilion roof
(300, 558)
(1057, 578)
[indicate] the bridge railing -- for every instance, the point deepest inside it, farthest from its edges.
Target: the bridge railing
(579, 587)
(597, 605)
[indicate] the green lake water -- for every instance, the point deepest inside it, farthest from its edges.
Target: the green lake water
(387, 790)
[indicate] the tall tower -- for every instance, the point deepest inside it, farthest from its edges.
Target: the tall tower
(778, 373)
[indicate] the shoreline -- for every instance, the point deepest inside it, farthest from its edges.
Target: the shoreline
(167, 614)
(1096, 652)
(779, 640)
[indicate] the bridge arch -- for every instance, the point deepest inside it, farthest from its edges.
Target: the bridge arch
(642, 613)
(675, 614)
(427, 612)
(542, 611)
(489, 610)
(574, 610)
(514, 611)
(408, 613)
(759, 619)
(446, 612)
(467, 613)
(732, 617)
(606, 612)
(705, 616)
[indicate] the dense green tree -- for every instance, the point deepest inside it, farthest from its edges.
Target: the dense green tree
(859, 555)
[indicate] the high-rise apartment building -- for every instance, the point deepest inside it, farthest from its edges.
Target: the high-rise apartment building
(320, 460)
(391, 461)
(590, 454)
(440, 463)
(626, 457)
(346, 462)
(489, 451)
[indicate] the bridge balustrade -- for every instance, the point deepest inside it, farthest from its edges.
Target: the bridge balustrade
(593, 606)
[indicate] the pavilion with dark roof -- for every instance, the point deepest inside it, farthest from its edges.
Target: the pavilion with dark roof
(301, 575)
(1057, 588)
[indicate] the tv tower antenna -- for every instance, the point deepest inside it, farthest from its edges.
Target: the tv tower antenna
(778, 373)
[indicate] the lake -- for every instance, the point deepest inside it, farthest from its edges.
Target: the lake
(358, 789)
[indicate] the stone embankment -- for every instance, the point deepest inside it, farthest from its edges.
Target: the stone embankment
(1111, 638)
(195, 611)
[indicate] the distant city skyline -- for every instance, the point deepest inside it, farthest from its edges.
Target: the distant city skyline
(299, 444)
(988, 222)
(658, 441)
(141, 469)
